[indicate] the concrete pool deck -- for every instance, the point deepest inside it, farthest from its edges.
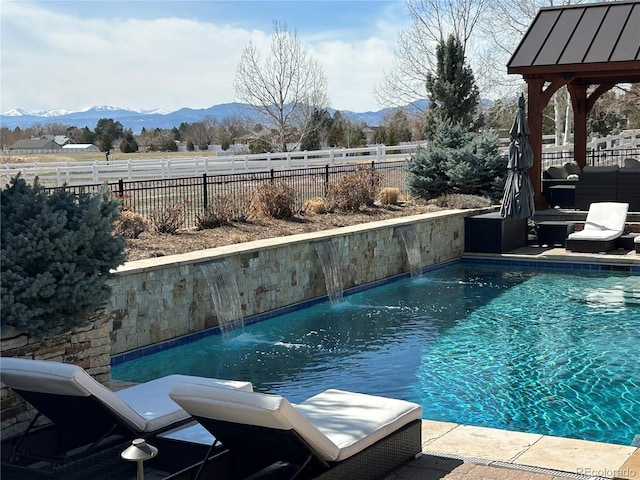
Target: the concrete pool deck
(461, 452)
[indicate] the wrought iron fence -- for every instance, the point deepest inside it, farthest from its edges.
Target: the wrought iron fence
(594, 157)
(195, 194)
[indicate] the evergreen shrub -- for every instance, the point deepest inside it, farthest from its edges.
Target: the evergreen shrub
(57, 255)
(457, 161)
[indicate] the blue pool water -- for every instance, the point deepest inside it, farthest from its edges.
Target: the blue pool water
(532, 350)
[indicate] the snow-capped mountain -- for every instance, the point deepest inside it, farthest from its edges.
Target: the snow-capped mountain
(137, 120)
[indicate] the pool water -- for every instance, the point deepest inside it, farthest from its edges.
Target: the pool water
(532, 350)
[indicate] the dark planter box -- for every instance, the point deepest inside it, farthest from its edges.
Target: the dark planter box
(490, 233)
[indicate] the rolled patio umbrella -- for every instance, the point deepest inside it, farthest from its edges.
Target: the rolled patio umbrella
(517, 201)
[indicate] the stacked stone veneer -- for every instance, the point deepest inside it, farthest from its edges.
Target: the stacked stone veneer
(85, 344)
(164, 298)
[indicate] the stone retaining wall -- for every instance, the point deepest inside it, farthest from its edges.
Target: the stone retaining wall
(86, 344)
(164, 298)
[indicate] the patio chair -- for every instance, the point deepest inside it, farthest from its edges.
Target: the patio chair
(85, 415)
(604, 224)
(335, 434)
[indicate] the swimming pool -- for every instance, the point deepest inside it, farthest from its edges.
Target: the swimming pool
(538, 351)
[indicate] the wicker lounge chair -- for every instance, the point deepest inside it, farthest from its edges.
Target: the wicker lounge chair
(85, 416)
(332, 435)
(604, 224)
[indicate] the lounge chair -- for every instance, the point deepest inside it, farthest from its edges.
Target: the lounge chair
(335, 434)
(85, 415)
(604, 224)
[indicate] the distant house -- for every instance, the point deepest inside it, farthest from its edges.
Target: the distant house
(80, 147)
(36, 144)
(61, 140)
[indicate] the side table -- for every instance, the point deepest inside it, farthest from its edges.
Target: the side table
(563, 196)
(554, 232)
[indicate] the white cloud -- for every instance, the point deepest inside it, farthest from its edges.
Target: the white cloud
(52, 60)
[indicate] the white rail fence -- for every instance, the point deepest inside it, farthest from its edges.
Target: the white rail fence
(96, 172)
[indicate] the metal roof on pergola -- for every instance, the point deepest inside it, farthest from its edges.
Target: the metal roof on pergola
(579, 46)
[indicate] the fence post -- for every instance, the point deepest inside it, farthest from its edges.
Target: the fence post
(373, 171)
(326, 179)
(272, 175)
(205, 196)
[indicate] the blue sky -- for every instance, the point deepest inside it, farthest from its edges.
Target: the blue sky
(166, 55)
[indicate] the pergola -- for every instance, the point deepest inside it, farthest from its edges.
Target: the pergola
(579, 46)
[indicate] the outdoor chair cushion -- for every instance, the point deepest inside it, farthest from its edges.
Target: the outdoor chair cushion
(605, 221)
(631, 163)
(143, 408)
(572, 168)
(336, 424)
(556, 173)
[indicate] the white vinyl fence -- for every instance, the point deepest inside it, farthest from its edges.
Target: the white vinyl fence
(98, 172)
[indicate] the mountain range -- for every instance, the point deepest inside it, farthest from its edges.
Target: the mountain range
(149, 119)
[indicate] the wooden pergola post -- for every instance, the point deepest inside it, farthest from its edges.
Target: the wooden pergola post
(581, 46)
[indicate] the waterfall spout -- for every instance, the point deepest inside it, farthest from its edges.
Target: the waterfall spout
(407, 234)
(225, 295)
(329, 260)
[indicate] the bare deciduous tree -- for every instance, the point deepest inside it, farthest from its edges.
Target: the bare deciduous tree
(285, 88)
(432, 23)
(504, 26)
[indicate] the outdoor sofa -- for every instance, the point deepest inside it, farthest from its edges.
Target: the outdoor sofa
(87, 420)
(333, 435)
(605, 223)
(609, 184)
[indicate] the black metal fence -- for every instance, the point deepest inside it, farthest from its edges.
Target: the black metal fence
(197, 193)
(594, 157)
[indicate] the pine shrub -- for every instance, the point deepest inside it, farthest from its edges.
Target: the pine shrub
(57, 255)
(457, 161)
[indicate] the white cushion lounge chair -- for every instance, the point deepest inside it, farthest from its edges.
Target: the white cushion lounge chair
(604, 224)
(84, 413)
(335, 434)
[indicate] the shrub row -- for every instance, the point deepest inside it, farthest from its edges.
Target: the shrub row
(350, 193)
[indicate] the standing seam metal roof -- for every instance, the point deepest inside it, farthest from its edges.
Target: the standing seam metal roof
(580, 36)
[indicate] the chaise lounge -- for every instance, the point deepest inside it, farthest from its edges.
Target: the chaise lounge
(604, 224)
(332, 435)
(86, 417)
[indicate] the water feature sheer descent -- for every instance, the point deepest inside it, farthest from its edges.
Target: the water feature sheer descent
(529, 350)
(328, 255)
(407, 234)
(225, 295)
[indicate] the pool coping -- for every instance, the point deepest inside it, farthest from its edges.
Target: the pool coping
(531, 452)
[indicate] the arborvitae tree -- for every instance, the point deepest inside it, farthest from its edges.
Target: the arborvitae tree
(128, 143)
(452, 91)
(57, 255)
(190, 146)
